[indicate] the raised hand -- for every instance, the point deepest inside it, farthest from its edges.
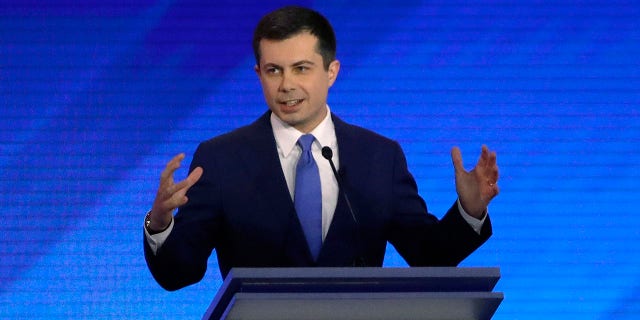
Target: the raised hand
(477, 187)
(171, 195)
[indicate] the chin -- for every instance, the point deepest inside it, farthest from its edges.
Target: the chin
(292, 121)
(288, 118)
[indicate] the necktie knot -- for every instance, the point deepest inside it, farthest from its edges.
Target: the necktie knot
(305, 142)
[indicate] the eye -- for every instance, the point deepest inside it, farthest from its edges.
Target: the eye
(302, 69)
(272, 70)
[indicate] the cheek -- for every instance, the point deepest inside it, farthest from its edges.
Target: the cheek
(319, 90)
(268, 89)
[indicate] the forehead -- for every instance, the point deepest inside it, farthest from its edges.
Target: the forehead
(302, 46)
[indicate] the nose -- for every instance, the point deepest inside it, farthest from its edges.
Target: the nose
(286, 82)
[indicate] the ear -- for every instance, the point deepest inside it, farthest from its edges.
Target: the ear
(334, 69)
(256, 68)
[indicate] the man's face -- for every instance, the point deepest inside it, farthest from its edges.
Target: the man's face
(294, 81)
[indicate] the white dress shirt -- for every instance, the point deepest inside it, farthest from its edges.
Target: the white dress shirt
(289, 152)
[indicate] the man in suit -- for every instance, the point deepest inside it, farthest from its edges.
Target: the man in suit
(241, 196)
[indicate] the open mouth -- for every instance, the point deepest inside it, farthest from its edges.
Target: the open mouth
(292, 103)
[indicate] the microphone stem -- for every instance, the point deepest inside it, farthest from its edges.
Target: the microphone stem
(344, 194)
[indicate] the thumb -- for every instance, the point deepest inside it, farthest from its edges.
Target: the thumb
(456, 157)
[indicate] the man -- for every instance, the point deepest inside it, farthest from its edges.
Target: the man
(241, 197)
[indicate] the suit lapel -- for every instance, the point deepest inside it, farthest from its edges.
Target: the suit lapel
(260, 159)
(339, 247)
(271, 186)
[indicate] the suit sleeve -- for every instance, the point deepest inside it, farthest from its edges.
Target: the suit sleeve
(420, 237)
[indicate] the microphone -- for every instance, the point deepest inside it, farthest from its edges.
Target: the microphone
(327, 153)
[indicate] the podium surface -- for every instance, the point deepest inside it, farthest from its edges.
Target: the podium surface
(357, 293)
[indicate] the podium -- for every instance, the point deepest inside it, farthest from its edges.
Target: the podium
(357, 293)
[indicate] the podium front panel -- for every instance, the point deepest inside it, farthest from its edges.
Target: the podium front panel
(365, 306)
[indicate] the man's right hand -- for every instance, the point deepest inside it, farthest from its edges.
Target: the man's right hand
(171, 195)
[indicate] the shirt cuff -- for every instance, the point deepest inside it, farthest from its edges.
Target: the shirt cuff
(475, 223)
(155, 241)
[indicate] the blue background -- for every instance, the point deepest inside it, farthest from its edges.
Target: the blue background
(97, 95)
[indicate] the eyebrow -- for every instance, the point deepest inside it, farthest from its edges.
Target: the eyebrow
(296, 64)
(299, 63)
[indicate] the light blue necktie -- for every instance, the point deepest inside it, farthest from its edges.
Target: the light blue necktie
(308, 196)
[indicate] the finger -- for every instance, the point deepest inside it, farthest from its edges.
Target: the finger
(170, 204)
(488, 155)
(495, 190)
(493, 166)
(171, 167)
(489, 173)
(456, 157)
(484, 156)
(167, 188)
(487, 161)
(496, 173)
(493, 157)
(181, 201)
(185, 184)
(173, 196)
(194, 176)
(166, 177)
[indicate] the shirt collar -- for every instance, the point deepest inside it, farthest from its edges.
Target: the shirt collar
(287, 136)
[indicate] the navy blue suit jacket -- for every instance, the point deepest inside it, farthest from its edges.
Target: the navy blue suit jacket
(241, 207)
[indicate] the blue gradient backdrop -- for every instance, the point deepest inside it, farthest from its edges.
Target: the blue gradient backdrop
(95, 96)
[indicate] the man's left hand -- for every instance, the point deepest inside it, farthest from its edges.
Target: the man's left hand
(477, 187)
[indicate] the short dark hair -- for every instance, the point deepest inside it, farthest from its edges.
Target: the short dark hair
(289, 21)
